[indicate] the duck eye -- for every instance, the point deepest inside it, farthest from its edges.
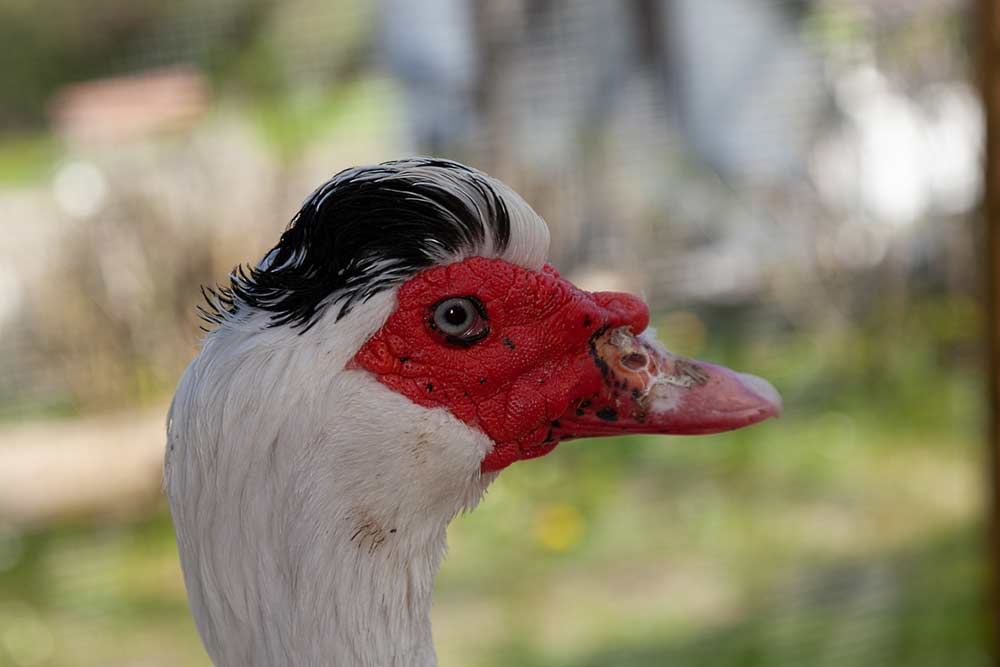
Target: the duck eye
(461, 319)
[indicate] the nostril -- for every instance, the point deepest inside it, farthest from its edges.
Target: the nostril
(634, 361)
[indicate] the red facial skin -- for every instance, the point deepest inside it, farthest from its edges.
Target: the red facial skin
(557, 363)
(530, 369)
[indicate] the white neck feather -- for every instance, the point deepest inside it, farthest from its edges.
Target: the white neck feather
(311, 526)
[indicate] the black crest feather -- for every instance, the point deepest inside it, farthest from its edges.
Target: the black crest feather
(364, 231)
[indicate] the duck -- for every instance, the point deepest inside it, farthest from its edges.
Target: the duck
(403, 343)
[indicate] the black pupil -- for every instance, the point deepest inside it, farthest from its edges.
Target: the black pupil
(456, 315)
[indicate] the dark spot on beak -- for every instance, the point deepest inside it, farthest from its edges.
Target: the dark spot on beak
(608, 414)
(601, 364)
(509, 343)
(692, 370)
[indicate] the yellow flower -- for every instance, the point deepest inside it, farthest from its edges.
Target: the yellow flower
(559, 527)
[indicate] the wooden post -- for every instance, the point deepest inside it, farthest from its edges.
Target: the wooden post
(988, 38)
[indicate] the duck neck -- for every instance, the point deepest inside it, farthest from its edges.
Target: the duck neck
(311, 528)
(359, 594)
(365, 597)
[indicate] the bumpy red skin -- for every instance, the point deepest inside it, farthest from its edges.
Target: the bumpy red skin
(531, 368)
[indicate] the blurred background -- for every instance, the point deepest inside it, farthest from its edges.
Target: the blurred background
(792, 184)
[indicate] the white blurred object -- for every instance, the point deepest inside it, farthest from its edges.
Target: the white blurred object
(898, 158)
(749, 102)
(955, 135)
(79, 188)
(436, 61)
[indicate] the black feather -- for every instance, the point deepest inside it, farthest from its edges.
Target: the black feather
(365, 230)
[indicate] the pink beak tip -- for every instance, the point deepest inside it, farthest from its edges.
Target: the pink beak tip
(765, 392)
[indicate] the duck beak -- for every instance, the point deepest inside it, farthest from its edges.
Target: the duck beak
(643, 388)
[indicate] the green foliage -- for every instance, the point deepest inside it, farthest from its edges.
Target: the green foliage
(27, 158)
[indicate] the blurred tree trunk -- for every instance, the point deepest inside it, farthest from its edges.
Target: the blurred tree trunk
(989, 77)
